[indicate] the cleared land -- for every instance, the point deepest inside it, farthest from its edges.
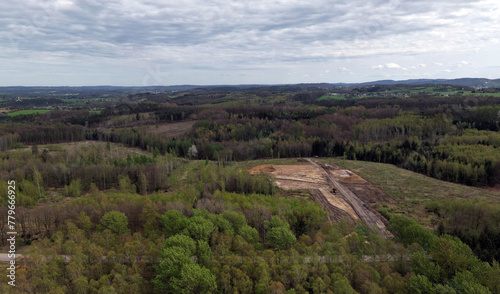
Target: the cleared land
(409, 191)
(117, 150)
(311, 178)
(328, 185)
(172, 129)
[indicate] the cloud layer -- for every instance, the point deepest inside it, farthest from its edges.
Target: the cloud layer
(125, 42)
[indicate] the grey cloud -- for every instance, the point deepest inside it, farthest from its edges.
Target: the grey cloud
(233, 34)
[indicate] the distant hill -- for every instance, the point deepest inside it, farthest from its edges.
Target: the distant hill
(469, 82)
(477, 83)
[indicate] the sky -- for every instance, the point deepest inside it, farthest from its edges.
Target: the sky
(224, 42)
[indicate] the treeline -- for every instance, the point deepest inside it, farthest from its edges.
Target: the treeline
(476, 223)
(135, 137)
(446, 264)
(424, 144)
(30, 134)
(422, 158)
(412, 132)
(428, 145)
(77, 171)
(421, 103)
(212, 177)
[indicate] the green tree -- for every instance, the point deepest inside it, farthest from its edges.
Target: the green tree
(319, 286)
(394, 283)
(174, 222)
(465, 282)
(194, 279)
(421, 265)
(443, 289)
(125, 183)
(200, 228)
(182, 241)
(115, 221)
(452, 255)
(170, 265)
(203, 251)
(409, 231)
(279, 234)
(251, 235)
(342, 286)
(74, 189)
(80, 285)
(177, 272)
(28, 193)
(419, 285)
(280, 238)
(236, 219)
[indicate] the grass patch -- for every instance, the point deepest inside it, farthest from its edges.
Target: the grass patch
(412, 190)
(403, 184)
(277, 161)
(29, 111)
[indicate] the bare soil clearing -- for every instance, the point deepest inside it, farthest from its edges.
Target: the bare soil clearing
(172, 129)
(342, 193)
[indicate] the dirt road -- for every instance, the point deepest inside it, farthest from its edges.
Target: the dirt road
(352, 199)
(363, 212)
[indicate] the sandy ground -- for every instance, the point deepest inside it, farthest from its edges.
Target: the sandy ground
(338, 202)
(318, 181)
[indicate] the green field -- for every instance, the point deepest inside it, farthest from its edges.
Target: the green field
(331, 97)
(29, 111)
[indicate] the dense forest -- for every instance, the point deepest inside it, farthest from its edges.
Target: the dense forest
(221, 230)
(151, 193)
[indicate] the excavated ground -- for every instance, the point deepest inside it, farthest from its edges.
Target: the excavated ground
(353, 198)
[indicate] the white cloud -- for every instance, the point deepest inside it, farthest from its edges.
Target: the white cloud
(392, 65)
(200, 37)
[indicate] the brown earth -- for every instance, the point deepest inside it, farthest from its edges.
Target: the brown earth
(359, 186)
(342, 193)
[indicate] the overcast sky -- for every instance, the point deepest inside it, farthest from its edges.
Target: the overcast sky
(169, 42)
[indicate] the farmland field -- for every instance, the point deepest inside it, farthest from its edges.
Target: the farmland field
(30, 111)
